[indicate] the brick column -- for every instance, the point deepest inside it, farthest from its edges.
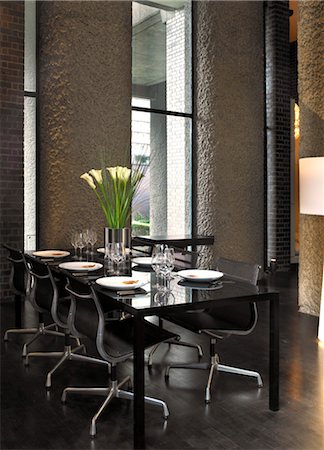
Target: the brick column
(11, 133)
(278, 131)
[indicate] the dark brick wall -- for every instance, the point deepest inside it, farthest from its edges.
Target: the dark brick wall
(11, 133)
(278, 130)
(293, 71)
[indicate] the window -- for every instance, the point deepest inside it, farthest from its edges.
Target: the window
(162, 115)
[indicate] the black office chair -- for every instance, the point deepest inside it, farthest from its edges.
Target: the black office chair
(114, 341)
(20, 283)
(222, 322)
(48, 295)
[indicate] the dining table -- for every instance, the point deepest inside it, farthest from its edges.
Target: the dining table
(175, 240)
(178, 296)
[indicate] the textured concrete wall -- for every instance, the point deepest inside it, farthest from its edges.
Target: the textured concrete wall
(311, 94)
(84, 91)
(228, 134)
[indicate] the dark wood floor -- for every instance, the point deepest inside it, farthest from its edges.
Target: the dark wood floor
(237, 418)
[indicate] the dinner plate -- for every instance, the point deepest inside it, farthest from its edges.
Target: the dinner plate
(80, 265)
(51, 253)
(102, 250)
(120, 283)
(143, 261)
(203, 285)
(200, 275)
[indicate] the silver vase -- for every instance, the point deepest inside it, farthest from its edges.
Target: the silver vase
(115, 235)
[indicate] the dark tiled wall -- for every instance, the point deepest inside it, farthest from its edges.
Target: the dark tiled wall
(293, 71)
(11, 133)
(278, 130)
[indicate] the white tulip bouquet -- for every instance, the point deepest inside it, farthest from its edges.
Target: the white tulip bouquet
(115, 188)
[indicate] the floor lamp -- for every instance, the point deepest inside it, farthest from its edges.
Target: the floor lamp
(311, 194)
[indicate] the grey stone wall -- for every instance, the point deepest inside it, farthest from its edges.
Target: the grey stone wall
(84, 111)
(229, 123)
(311, 94)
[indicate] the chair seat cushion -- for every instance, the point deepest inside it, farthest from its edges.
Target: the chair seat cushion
(119, 336)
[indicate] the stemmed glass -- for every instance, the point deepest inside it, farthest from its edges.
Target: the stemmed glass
(167, 266)
(92, 239)
(118, 254)
(157, 259)
(80, 242)
(74, 242)
(86, 237)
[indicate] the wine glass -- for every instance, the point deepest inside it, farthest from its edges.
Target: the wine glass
(118, 254)
(167, 265)
(157, 259)
(80, 242)
(92, 239)
(86, 237)
(74, 242)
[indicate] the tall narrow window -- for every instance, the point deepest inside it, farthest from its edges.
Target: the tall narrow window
(162, 115)
(30, 127)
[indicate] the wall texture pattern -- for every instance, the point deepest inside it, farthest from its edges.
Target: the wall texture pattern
(11, 134)
(84, 111)
(311, 94)
(229, 129)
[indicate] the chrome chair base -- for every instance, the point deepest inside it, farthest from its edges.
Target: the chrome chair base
(173, 341)
(70, 355)
(42, 330)
(214, 366)
(114, 391)
(19, 331)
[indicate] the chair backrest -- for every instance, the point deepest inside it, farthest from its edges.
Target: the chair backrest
(185, 259)
(239, 270)
(18, 280)
(243, 317)
(87, 313)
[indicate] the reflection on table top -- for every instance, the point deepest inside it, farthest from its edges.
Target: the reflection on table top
(180, 294)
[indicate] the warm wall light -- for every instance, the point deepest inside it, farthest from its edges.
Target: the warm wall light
(311, 185)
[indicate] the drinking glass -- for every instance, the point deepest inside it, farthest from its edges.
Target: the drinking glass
(86, 237)
(157, 259)
(80, 242)
(118, 254)
(166, 267)
(74, 242)
(92, 239)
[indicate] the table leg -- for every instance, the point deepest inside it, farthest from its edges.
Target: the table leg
(139, 406)
(274, 354)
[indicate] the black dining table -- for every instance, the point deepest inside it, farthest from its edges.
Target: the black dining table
(174, 240)
(182, 296)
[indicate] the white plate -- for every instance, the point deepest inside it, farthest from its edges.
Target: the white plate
(120, 283)
(200, 275)
(51, 253)
(82, 265)
(102, 250)
(143, 261)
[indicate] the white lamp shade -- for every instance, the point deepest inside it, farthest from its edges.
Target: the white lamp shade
(311, 185)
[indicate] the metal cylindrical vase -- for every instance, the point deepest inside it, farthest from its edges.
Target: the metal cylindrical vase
(113, 235)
